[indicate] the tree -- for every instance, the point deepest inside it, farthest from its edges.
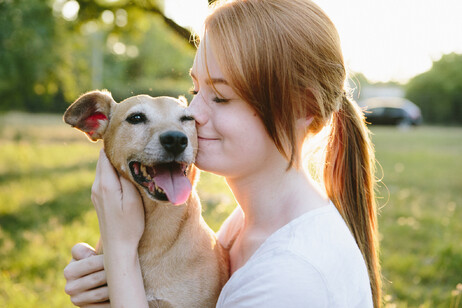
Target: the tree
(26, 54)
(438, 92)
(49, 56)
(91, 9)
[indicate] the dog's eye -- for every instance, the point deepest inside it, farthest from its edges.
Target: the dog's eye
(136, 118)
(187, 118)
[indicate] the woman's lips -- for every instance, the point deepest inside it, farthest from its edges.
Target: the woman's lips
(206, 138)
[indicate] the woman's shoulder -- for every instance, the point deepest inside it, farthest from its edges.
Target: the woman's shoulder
(325, 241)
(230, 228)
(315, 232)
(323, 229)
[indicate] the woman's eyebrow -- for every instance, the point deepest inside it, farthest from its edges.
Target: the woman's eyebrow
(211, 80)
(216, 81)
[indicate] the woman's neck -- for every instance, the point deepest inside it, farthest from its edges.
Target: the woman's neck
(274, 196)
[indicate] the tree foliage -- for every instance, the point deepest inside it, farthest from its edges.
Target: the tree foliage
(26, 38)
(438, 92)
(48, 57)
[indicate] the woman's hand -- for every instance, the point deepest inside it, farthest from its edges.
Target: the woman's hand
(86, 278)
(119, 208)
(120, 213)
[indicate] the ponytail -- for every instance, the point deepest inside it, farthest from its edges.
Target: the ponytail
(349, 181)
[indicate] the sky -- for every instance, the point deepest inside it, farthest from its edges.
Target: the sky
(386, 40)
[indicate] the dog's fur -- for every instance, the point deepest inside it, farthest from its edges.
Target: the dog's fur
(183, 264)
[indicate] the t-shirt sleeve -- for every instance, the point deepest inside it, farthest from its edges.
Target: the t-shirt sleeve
(280, 279)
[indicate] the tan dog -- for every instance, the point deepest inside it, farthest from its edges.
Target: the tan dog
(152, 142)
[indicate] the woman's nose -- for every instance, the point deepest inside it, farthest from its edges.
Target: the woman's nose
(199, 110)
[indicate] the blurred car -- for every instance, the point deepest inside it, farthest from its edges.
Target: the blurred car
(391, 111)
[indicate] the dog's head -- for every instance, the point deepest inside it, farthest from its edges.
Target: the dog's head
(151, 141)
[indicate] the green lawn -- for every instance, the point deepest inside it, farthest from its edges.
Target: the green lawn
(420, 221)
(47, 168)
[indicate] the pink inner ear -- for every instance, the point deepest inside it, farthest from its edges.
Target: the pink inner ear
(92, 121)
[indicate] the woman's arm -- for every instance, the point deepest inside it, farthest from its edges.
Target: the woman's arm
(120, 213)
(124, 278)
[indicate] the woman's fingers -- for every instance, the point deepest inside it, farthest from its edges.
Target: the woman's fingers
(81, 251)
(106, 173)
(92, 297)
(131, 196)
(88, 282)
(133, 211)
(86, 278)
(106, 183)
(105, 304)
(78, 269)
(106, 194)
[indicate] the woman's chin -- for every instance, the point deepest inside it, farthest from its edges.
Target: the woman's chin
(203, 163)
(208, 165)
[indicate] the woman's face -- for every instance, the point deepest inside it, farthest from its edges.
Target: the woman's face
(232, 139)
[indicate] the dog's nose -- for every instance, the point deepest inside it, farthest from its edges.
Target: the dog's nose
(174, 142)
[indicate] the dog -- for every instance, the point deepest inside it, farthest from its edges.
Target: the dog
(152, 142)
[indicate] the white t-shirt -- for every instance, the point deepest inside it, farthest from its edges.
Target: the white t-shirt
(313, 261)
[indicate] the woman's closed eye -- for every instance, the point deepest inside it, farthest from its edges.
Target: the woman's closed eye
(216, 99)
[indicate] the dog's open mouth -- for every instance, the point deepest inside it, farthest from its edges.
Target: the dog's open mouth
(165, 182)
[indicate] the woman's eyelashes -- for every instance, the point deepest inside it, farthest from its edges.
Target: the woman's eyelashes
(216, 99)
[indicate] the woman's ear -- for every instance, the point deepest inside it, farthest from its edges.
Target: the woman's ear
(304, 123)
(303, 127)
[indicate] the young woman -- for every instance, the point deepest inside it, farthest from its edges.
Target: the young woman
(268, 76)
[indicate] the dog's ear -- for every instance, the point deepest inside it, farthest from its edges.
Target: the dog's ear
(90, 113)
(183, 101)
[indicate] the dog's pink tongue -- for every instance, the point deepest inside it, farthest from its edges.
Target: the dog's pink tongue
(174, 183)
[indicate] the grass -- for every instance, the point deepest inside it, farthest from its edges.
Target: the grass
(47, 168)
(421, 213)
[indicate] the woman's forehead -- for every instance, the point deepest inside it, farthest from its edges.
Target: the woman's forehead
(203, 61)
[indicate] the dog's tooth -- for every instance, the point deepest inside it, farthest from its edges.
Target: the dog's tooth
(158, 189)
(143, 170)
